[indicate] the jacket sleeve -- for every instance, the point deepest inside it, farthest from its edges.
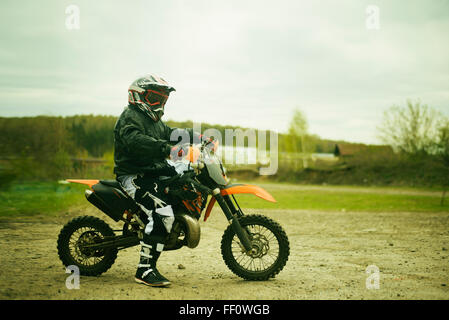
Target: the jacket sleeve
(140, 144)
(176, 135)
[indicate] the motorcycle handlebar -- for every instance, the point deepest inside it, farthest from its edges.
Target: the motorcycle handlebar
(200, 187)
(188, 178)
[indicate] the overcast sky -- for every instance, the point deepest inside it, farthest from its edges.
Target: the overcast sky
(247, 63)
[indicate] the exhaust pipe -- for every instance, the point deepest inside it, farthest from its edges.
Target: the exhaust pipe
(100, 204)
(193, 230)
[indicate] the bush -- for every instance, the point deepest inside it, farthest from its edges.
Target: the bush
(7, 177)
(375, 169)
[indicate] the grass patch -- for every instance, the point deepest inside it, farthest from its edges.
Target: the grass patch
(331, 199)
(50, 198)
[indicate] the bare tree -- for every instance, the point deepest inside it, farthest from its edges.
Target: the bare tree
(442, 150)
(412, 129)
(298, 131)
(417, 129)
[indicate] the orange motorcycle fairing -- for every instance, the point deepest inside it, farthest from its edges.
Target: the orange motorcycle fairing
(236, 189)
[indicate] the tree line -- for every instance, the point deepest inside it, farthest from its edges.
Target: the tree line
(49, 147)
(53, 147)
(415, 151)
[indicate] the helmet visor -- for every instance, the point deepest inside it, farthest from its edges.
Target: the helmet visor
(156, 99)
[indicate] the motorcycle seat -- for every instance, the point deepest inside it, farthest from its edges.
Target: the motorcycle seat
(111, 183)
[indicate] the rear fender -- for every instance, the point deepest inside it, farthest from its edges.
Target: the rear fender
(90, 183)
(239, 188)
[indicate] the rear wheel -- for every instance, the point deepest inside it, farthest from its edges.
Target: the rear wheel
(73, 242)
(270, 249)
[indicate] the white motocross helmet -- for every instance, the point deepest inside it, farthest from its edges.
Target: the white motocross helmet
(150, 93)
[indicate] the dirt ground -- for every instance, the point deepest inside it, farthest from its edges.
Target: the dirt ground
(330, 253)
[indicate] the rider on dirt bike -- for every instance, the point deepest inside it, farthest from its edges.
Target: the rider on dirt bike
(160, 200)
(142, 144)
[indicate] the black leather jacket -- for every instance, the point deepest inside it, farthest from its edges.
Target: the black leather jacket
(141, 145)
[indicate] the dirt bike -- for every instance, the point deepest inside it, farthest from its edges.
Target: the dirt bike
(254, 247)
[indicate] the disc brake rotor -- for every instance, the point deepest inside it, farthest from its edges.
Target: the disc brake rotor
(85, 239)
(264, 252)
(260, 245)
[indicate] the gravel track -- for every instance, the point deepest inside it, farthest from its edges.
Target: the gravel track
(330, 252)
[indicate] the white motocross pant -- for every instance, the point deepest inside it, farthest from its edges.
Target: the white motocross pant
(148, 192)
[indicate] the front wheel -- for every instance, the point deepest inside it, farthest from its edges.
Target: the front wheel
(270, 248)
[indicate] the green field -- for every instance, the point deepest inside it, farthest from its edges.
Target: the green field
(343, 198)
(46, 198)
(52, 199)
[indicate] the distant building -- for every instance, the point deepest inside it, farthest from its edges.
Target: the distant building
(345, 150)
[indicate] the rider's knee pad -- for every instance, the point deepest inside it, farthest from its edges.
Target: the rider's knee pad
(167, 216)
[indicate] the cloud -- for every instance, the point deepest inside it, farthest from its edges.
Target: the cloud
(240, 63)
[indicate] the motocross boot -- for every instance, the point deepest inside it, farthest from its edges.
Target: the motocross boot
(147, 272)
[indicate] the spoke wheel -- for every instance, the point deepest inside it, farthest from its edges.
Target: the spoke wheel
(269, 253)
(73, 245)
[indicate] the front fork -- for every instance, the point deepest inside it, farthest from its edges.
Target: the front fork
(233, 214)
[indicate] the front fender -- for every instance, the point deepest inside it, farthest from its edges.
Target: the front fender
(236, 189)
